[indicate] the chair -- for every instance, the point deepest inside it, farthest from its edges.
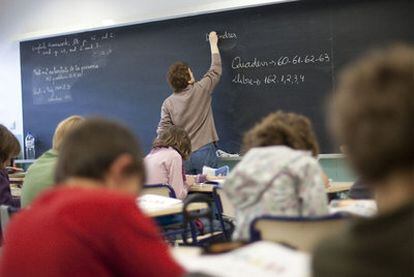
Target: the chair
(297, 232)
(159, 189)
(189, 217)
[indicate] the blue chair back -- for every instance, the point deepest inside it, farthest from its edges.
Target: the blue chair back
(159, 189)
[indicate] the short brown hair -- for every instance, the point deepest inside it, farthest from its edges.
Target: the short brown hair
(89, 150)
(373, 112)
(9, 145)
(176, 138)
(280, 128)
(178, 76)
(63, 128)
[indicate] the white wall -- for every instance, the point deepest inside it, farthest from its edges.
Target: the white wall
(24, 19)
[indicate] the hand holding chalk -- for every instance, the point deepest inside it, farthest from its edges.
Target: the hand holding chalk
(213, 38)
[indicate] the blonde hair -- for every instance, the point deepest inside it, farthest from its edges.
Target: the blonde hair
(63, 129)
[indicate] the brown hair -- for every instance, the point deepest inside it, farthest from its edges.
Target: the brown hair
(280, 128)
(303, 128)
(176, 138)
(63, 128)
(373, 112)
(178, 76)
(9, 145)
(89, 150)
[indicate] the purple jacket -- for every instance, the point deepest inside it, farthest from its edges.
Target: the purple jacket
(5, 193)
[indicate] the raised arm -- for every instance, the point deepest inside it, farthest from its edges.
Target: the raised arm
(212, 77)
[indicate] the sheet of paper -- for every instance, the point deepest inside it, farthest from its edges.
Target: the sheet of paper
(258, 259)
(152, 202)
(365, 208)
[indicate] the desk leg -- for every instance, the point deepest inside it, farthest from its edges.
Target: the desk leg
(219, 209)
(193, 230)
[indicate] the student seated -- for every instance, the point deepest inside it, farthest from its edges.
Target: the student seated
(40, 175)
(89, 224)
(372, 112)
(164, 164)
(9, 148)
(303, 128)
(276, 176)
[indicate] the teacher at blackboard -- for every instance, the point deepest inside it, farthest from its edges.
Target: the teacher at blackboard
(189, 107)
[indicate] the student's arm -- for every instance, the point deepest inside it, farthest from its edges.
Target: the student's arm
(139, 249)
(166, 120)
(176, 176)
(6, 197)
(212, 77)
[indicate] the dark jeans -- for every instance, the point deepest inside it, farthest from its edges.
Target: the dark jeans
(205, 156)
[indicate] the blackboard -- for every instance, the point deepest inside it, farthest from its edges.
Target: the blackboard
(281, 56)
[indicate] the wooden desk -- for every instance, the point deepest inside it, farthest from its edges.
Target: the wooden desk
(335, 187)
(176, 209)
(202, 188)
(16, 180)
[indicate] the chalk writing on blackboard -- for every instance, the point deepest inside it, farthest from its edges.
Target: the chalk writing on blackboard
(240, 63)
(95, 44)
(224, 36)
(53, 84)
(269, 80)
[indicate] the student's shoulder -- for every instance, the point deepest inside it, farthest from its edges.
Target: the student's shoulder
(173, 153)
(305, 159)
(85, 200)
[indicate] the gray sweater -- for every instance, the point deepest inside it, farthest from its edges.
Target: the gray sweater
(191, 110)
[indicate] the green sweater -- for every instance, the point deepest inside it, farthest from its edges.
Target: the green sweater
(39, 177)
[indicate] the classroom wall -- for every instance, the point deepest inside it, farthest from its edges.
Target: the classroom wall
(24, 19)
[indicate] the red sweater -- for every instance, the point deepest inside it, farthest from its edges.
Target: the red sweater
(85, 232)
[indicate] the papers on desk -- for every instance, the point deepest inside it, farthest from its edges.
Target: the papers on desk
(221, 171)
(152, 202)
(258, 259)
(364, 208)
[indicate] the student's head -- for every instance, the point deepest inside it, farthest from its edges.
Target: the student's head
(280, 128)
(176, 138)
(179, 76)
(104, 152)
(9, 146)
(303, 128)
(63, 128)
(373, 113)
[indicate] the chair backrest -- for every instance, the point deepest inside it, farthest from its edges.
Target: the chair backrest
(159, 189)
(190, 216)
(226, 206)
(300, 233)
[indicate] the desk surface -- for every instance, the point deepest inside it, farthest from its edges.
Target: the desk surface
(16, 179)
(334, 187)
(202, 188)
(176, 209)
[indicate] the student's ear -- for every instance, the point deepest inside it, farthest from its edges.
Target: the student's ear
(116, 177)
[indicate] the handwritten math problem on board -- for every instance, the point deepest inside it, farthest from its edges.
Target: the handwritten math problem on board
(53, 84)
(255, 71)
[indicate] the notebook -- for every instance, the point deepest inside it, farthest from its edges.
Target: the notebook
(262, 259)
